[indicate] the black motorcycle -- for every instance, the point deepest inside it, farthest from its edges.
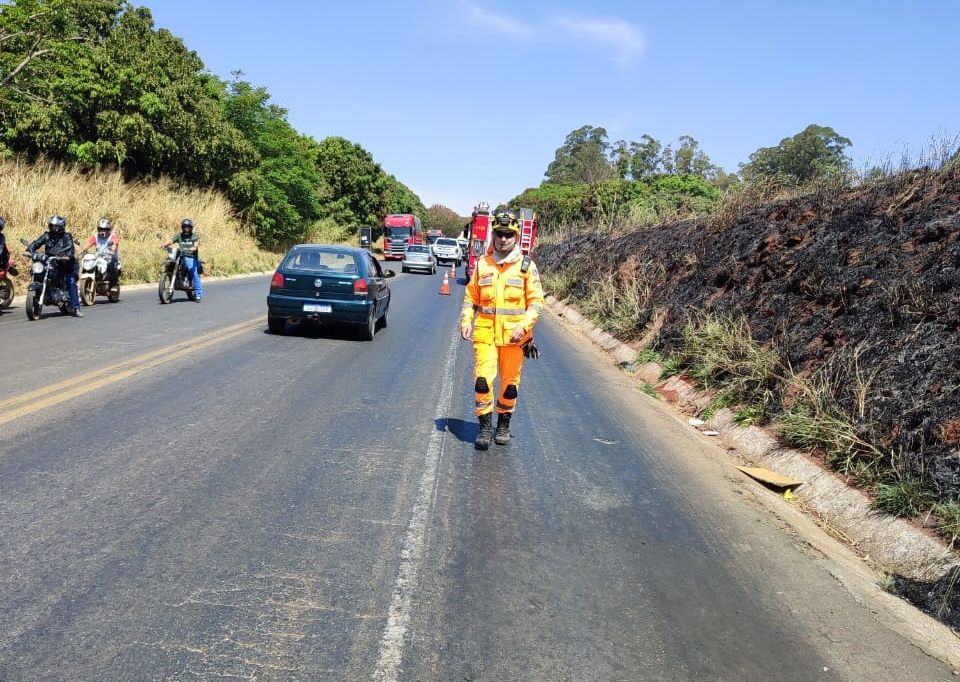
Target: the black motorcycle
(175, 276)
(47, 286)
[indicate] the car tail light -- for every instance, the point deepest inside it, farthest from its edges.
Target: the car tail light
(360, 287)
(277, 281)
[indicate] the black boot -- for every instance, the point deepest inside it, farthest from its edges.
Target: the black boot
(502, 436)
(486, 431)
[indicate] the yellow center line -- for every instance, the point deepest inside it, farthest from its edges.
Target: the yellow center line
(41, 398)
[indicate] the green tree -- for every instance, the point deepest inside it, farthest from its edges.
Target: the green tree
(47, 69)
(279, 196)
(158, 110)
(814, 152)
(401, 199)
(620, 158)
(645, 157)
(354, 186)
(582, 158)
(689, 159)
(91, 81)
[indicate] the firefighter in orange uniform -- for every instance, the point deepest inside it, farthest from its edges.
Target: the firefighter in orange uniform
(502, 304)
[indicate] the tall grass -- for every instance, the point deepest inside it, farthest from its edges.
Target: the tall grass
(725, 357)
(32, 192)
(622, 302)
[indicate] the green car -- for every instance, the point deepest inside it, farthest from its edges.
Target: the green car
(329, 284)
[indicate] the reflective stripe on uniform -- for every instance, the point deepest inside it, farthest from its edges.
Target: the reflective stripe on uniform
(502, 311)
(481, 404)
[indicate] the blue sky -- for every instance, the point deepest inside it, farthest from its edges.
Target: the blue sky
(468, 100)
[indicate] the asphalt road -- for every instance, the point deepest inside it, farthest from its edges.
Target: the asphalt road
(310, 507)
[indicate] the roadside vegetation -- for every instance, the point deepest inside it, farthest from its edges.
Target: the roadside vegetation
(95, 90)
(32, 192)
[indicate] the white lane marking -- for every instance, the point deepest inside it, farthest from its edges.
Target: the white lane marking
(406, 587)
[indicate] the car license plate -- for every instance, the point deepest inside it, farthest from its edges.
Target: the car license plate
(316, 308)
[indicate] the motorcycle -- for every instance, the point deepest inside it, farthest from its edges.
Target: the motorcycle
(176, 276)
(6, 284)
(93, 280)
(47, 286)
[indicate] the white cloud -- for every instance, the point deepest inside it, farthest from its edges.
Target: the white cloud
(500, 23)
(623, 38)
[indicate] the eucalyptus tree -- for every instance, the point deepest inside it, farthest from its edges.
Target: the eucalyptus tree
(583, 158)
(814, 152)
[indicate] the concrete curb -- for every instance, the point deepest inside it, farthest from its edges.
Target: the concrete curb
(889, 543)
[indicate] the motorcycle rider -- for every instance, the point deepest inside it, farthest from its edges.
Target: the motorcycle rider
(107, 238)
(4, 252)
(189, 242)
(56, 241)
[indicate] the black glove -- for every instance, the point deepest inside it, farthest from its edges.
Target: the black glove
(530, 350)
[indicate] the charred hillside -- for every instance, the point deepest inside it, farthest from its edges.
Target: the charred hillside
(861, 283)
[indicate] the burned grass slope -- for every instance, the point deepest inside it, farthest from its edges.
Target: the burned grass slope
(862, 282)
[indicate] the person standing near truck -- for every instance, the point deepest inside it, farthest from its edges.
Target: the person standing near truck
(501, 305)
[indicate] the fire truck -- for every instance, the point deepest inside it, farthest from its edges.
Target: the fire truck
(529, 224)
(479, 232)
(400, 229)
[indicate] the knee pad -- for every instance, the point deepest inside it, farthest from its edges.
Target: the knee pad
(511, 392)
(481, 385)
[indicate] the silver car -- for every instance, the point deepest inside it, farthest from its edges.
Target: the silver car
(419, 257)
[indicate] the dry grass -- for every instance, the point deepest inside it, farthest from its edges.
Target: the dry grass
(725, 358)
(31, 193)
(814, 420)
(742, 199)
(622, 303)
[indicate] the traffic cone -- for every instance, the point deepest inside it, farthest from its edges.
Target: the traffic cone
(445, 284)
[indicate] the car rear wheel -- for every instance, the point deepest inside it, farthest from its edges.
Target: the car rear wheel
(368, 330)
(405, 270)
(433, 270)
(277, 325)
(382, 323)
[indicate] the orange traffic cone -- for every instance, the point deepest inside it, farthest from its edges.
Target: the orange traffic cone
(445, 284)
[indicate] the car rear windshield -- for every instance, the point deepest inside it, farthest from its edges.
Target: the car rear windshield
(318, 260)
(417, 249)
(446, 241)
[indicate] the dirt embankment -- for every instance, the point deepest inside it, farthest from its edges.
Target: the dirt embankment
(866, 281)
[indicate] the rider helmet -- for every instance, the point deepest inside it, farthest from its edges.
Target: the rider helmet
(57, 225)
(104, 226)
(186, 226)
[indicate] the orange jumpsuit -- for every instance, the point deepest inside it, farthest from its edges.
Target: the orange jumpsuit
(499, 298)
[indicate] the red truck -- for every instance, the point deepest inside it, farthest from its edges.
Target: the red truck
(400, 229)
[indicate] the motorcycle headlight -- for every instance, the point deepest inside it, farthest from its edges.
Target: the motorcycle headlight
(37, 267)
(88, 260)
